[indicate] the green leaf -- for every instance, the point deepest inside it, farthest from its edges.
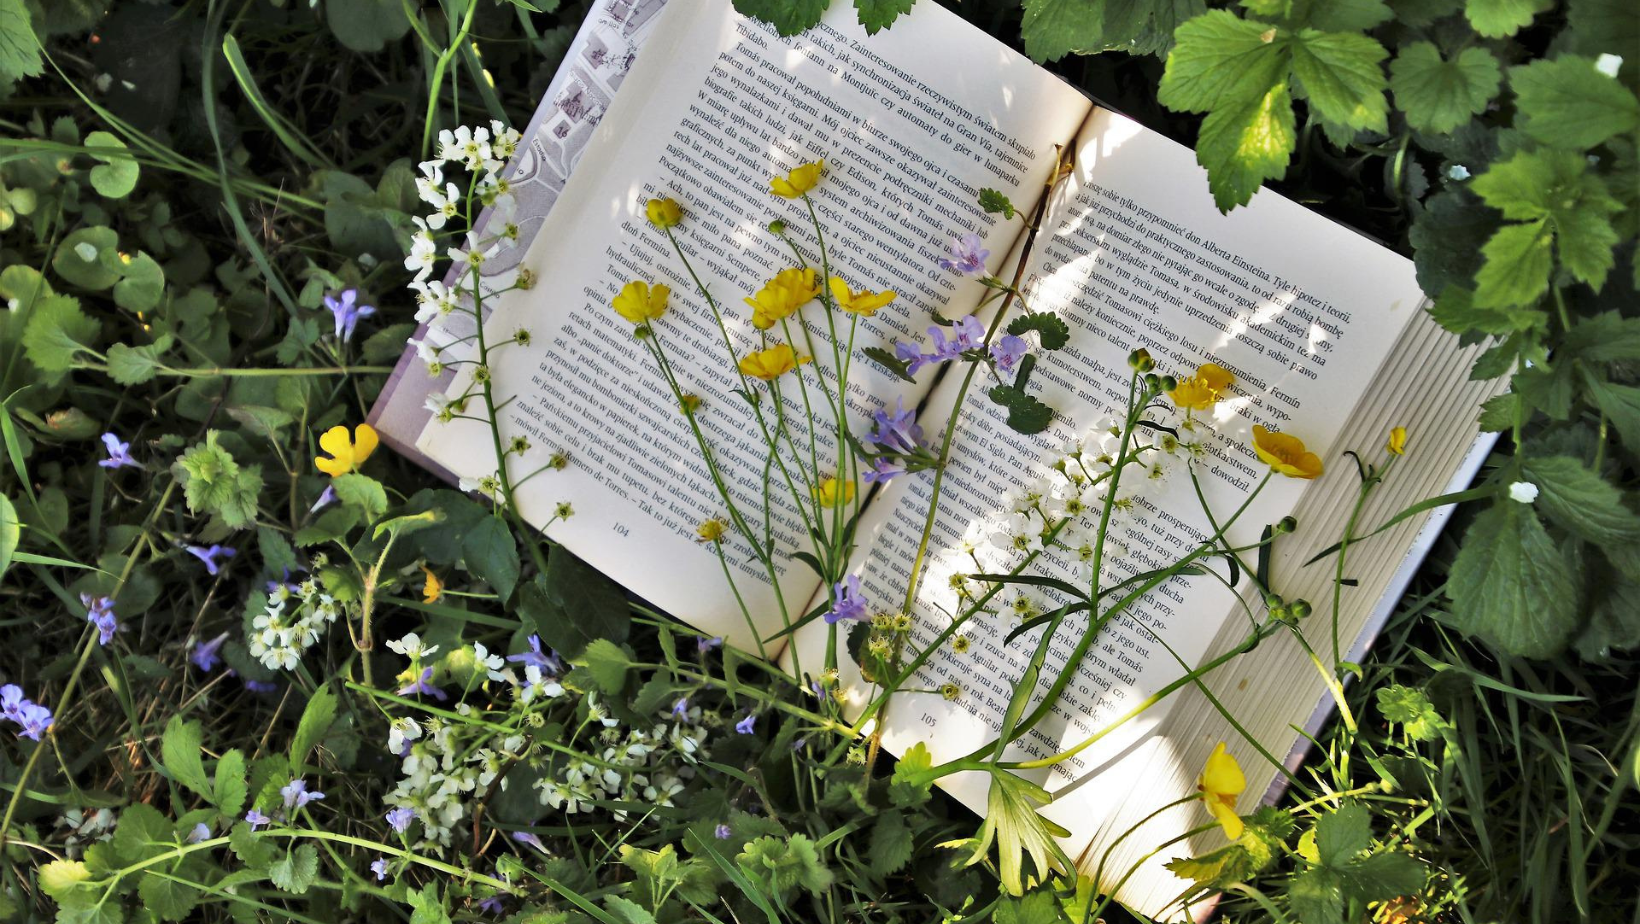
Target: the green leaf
(789, 17)
(231, 785)
(780, 865)
(627, 911)
(492, 554)
(11, 531)
(876, 15)
(252, 849)
(316, 720)
(1317, 896)
(573, 605)
(1225, 865)
(1244, 144)
(1511, 585)
(19, 50)
(141, 834)
(1455, 310)
(366, 25)
(1018, 830)
(214, 483)
(363, 492)
(1620, 404)
(180, 752)
(1385, 875)
(1614, 620)
(1348, 15)
(1342, 77)
(1438, 95)
(142, 283)
(296, 871)
(1343, 833)
(608, 664)
(895, 365)
(1221, 59)
(133, 365)
(1566, 103)
(1040, 906)
(166, 898)
(88, 258)
(57, 333)
(1410, 708)
(1516, 271)
(993, 201)
(1025, 413)
(429, 907)
(1536, 186)
(891, 844)
(1050, 328)
(1580, 501)
(116, 175)
(1503, 18)
(1053, 29)
(906, 788)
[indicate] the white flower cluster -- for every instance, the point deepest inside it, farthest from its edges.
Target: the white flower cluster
(442, 763)
(634, 765)
(296, 617)
(482, 153)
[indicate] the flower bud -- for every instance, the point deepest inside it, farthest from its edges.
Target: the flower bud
(1169, 383)
(777, 227)
(1153, 381)
(1140, 361)
(1273, 600)
(1300, 609)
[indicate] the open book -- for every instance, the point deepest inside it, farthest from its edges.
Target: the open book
(1323, 329)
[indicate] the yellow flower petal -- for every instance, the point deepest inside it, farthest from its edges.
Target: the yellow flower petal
(433, 588)
(780, 297)
(1203, 390)
(1227, 819)
(346, 455)
(1285, 454)
(1222, 775)
(664, 212)
(862, 303)
(800, 180)
(1397, 444)
(365, 441)
(641, 303)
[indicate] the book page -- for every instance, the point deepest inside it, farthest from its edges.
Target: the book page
(1135, 255)
(912, 123)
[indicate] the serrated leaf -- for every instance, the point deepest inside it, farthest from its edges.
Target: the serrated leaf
(608, 664)
(1516, 271)
(1050, 328)
(19, 50)
(905, 788)
(893, 363)
(429, 907)
(1242, 145)
(1455, 310)
(1439, 95)
(1342, 834)
(296, 870)
(134, 365)
(1317, 896)
(891, 843)
(57, 333)
(1621, 405)
(60, 877)
(168, 899)
(1221, 59)
(141, 834)
(1510, 584)
(1342, 77)
(994, 201)
(1580, 501)
(255, 851)
(492, 554)
(316, 720)
(230, 785)
(363, 492)
(1025, 413)
(789, 17)
(1385, 875)
(574, 604)
(877, 15)
(1227, 864)
(180, 750)
(1503, 18)
(1567, 103)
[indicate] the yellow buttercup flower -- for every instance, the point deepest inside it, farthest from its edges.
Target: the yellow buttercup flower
(799, 181)
(1221, 782)
(433, 588)
(1397, 444)
(834, 493)
(711, 530)
(640, 303)
(772, 363)
(664, 212)
(789, 290)
(1285, 454)
(1203, 390)
(862, 303)
(346, 455)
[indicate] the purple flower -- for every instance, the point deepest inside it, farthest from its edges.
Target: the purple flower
(913, 356)
(34, 718)
(492, 905)
(256, 819)
(379, 867)
(210, 555)
(681, 707)
(896, 431)
(11, 700)
(848, 603)
(99, 611)
(347, 311)
(545, 661)
(707, 644)
(525, 837)
(204, 653)
(119, 454)
(722, 832)
(423, 686)
(967, 256)
(882, 469)
(1008, 350)
(261, 686)
(296, 795)
(201, 832)
(747, 725)
(400, 818)
(326, 498)
(970, 335)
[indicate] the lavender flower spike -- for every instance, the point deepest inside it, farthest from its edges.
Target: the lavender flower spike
(848, 603)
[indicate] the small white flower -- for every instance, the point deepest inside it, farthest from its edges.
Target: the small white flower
(1457, 172)
(1523, 492)
(492, 664)
(1608, 64)
(411, 647)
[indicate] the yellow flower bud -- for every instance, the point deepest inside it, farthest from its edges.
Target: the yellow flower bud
(1397, 444)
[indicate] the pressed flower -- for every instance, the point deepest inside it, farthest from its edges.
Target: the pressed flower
(789, 290)
(897, 430)
(663, 212)
(1008, 351)
(967, 256)
(862, 303)
(345, 455)
(849, 603)
(799, 181)
(640, 303)
(1221, 782)
(772, 363)
(119, 453)
(1285, 454)
(1397, 444)
(1202, 390)
(711, 530)
(834, 493)
(432, 588)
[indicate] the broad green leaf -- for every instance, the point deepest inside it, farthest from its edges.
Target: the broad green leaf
(316, 720)
(1585, 504)
(608, 664)
(573, 605)
(1410, 708)
(1347, 15)
(142, 282)
(1503, 18)
(1039, 906)
(1511, 585)
(1342, 834)
(363, 492)
(180, 751)
(141, 834)
(1614, 619)
(429, 907)
(255, 851)
(789, 17)
(1053, 29)
(1222, 59)
(627, 911)
(133, 365)
(296, 870)
(1439, 95)
(1518, 260)
(1566, 103)
(57, 333)
(891, 843)
(1244, 144)
(86, 258)
(1317, 896)
(230, 785)
(212, 482)
(1456, 311)
(492, 555)
(19, 50)
(10, 532)
(366, 25)
(59, 877)
(876, 15)
(168, 899)
(116, 175)
(1342, 77)
(1552, 185)
(1620, 404)
(1605, 26)
(1385, 875)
